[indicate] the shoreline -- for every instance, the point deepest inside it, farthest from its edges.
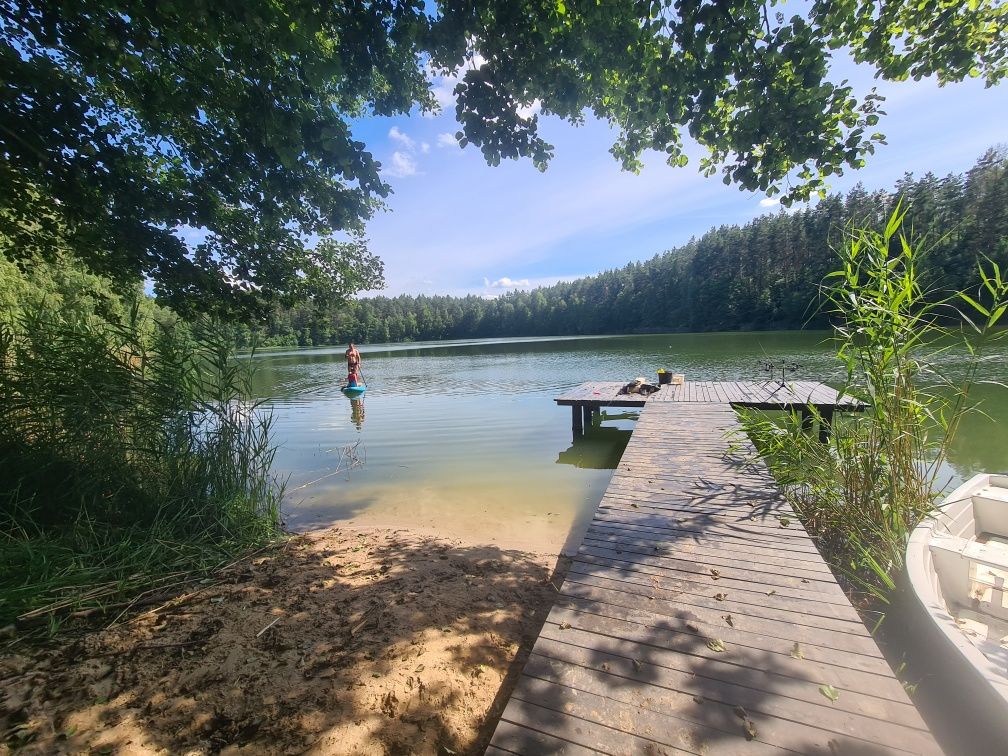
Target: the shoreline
(357, 639)
(535, 541)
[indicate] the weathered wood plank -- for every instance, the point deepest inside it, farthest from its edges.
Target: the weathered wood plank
(726, 534)
(730, 567)
(614, 725)
(736, 661)
(659, 544)
(698, 595)
(748, 630)
(672, 569)
(789, 697)
(681, 516)
(703, 539)
(688, 546)
(527, 741)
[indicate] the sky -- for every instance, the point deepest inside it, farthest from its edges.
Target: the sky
(455, 225)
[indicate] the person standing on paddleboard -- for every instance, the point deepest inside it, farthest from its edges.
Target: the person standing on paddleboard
(352, 359)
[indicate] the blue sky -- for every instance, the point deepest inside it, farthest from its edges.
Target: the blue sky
(457, 226)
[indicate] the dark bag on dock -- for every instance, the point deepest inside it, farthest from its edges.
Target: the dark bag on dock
(639, 386)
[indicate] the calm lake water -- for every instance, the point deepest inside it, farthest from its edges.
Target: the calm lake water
(463, 439)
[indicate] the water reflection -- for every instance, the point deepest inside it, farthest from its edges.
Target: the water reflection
(601, 447)
(598, 449)
(357, 413)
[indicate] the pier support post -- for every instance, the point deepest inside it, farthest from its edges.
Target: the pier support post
(586, 414)
(825, 425)
(577, 427)
(806, 418)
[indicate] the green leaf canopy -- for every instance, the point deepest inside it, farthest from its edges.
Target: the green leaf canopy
(124, 122)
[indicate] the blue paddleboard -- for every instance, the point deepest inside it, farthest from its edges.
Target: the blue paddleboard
(354, 391)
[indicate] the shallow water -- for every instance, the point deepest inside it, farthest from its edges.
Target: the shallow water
(463, 439)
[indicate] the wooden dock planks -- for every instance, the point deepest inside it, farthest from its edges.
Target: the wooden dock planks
(765, 395)
(692, 550)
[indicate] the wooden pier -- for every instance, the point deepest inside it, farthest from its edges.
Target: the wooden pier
(808, 397)
(697, 615)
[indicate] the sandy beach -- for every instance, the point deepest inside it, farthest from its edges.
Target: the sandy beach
(343, 641)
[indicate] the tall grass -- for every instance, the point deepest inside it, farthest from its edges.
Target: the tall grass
(131, 455)
(863, 492)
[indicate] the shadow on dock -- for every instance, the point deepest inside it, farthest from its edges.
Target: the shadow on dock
(698, 616)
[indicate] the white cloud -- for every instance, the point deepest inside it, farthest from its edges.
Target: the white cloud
(585, 214)
(444, 139)
(518, 218)
(507, 283)
(769, 202)
(527, 111)
(404, 161)
(443, 87)
(403, 164)
(398, 136)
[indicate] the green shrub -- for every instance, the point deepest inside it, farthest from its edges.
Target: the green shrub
(863, 492)
(130, 453)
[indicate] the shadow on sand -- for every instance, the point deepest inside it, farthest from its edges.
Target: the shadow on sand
(346, 642)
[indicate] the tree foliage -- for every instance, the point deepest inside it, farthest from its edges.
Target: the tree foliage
(764, 275)
(127, 123)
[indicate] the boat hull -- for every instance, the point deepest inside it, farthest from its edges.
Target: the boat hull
(940, 588)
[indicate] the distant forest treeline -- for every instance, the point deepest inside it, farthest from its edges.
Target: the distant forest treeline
(764, 275)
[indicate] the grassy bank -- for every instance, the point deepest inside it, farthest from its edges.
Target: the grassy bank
(132, 457)
(861, 494)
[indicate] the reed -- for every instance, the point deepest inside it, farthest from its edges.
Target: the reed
(131, 453)
(862, 493)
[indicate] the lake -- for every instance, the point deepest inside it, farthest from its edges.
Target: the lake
(462, 439)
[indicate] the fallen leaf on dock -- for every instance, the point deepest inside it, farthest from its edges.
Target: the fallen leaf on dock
(720, 596)
(830, 692)
(740, 712)
(750, 729)
(716, 644)
(728, 618)
(565, 625)
(796, 652)
(715, 573)
(771, 592)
